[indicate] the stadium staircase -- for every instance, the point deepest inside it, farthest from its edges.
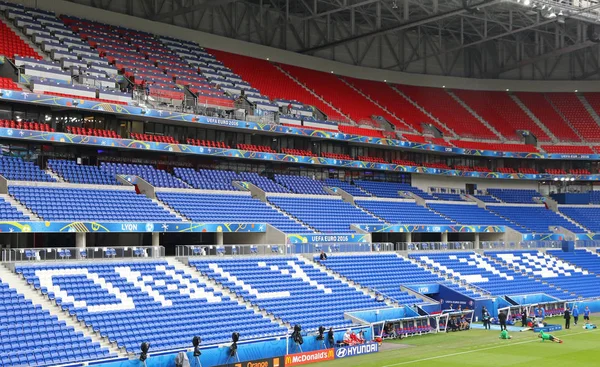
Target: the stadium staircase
(533, 117)
(54, 175)
(437, 121)
(26, 212)
(179, 216)
(192, 271)
(566, 217)
(37, 298)
(561, 114)
(23, 37)
(283, 212)
(588, 107)
(309, 260)
(313, 93)
(472, 112)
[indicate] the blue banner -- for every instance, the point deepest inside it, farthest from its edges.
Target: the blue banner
(430, 229)
(124, 110)
(128, 227)
(327, 238)
(356, 350)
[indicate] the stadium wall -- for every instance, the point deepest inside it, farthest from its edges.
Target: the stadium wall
(288, 57)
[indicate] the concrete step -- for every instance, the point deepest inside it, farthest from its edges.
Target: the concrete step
(170, 210)
(26, 212)
(54, 175)
(24, 37)
(37, 298)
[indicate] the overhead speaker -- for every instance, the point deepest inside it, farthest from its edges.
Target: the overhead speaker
(593, 33)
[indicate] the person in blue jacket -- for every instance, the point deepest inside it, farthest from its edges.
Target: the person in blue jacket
(586, 314)
(540, 313)
(575, 314)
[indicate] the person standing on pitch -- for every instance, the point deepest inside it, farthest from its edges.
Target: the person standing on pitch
(575, 314)
(502, 319)
(524, 317)
(485, 317)
(567, 317)
(586, 314)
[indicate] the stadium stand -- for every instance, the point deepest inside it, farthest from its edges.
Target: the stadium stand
(286, 289)
(262, 182)
(256, 148)
(154, 138)
(487, 198)
(502, 147)
(483, 272)
(208, 143)
(574, 111)
(371, 159)
(360, 268)
(442, 106)
(506, 170)
(92, 132)
(568, 149)
(541, 107)
(471, 214)
(324, 215)
(13, 45)
(26, 125)
(75, 204)
(515, 195)
(403, 212)
(337, 156)
(447, 196)
(9, 212)
(531, 171)
(302, 152)
(544, 267)
(72, 172)
(9, 84)
(14, 168)
(301, 184)
(535, 218)
(390, 189)
(354, 130)
(153, 176)
(588, 217)
(58, 343)
(582, 258)
(207, 179)
(502, 113)
(229, 208)
(165, 319)
(349, 188)
(555, 171)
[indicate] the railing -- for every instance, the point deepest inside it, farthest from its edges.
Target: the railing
(428, 246)
(279, 249)
(587, 243)
(500, 245)
(59, 254)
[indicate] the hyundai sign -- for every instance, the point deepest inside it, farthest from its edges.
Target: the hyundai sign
(356, 350)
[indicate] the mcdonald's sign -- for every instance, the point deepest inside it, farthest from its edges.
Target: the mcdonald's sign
(309, 357)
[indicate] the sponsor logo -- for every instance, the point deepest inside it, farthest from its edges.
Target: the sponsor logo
(356, 350)
(309, 357)
(267, 362)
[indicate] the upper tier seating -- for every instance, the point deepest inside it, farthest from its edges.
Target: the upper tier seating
(349, 188)
(447, 196)
(56, 343)
(440, 141)
(502, 147)
(579, 171)
(383, 94)
(572, 108)
(208, 143)
(302, 152)
(79, 173)
(230, 208)
(555, 171)
(277, 85)
(156, 304)
(155, 177)
(256, 148)
(9, 212)
(301, 184)
(6, 83)
(582, 258)
(438, 165)
(13, 168)
(93, 132)
(593, 99)
(594, 197)
(414, 138)
(155, 138)
(390, 189)
(481, 271)
(532, 171)
(371, 159)
(353, 130)
(324, 215)
(506, 170)
(68, 204)
(551, 270)
(442, 106)
(25, 125)
(290, 288)
(589, 217)
(75, 93)
(501, 112)
(12, 45)
(568, 149)
(337, 156)
(262, 182)
(471, 214)
(398, 271)
(535, 218)
(403, 212)
(515, 196)
(206, 179)
(338, 93)
(543, 110)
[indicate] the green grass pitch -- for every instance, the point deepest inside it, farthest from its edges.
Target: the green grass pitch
(483, 348)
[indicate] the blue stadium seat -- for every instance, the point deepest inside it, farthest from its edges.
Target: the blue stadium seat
(72, 172)
(16, 169)
(208, 179)
(301, 184)
(535, 218)
(391, 189)
(516, 196)
(471, 214)
(350, 189)
(403, 212)
(153, 176)
(588, 217)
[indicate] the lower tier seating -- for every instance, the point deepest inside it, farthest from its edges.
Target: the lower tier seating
(297, 292)
(349, 188)
(515, 195)
(155, 303)
(589, 217)
(407, 212)
(471, 214)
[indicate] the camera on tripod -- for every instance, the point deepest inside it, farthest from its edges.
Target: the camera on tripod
(233, 348)
(296, 335)
(321, 335)
(196, 343)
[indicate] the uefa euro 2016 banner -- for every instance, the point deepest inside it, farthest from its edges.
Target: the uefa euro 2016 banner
(128, 227)
(327, 238)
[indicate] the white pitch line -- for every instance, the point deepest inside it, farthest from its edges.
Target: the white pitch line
(477, 350)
